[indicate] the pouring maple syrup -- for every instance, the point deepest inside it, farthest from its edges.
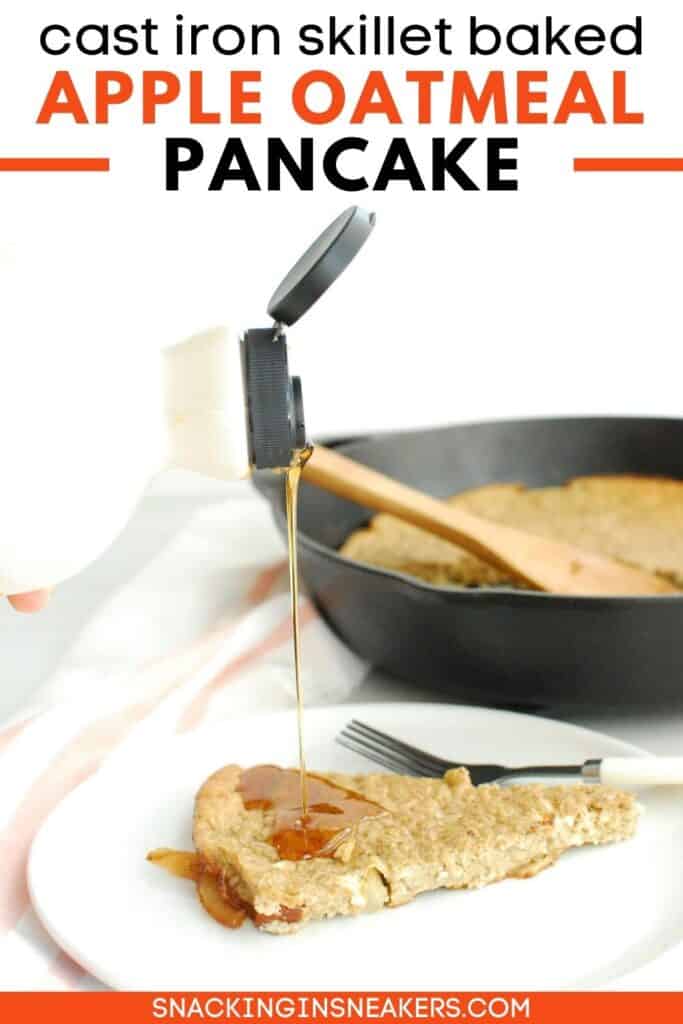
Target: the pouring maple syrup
(311, 816)
(302, 286)
(292, 480)
(331, 812)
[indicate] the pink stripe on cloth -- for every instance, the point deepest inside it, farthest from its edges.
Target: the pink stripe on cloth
(188, 659)
(265, 582)
(67, 971)
(13, 731)
(75, 763)
(81, 757)
(195, 712)
(183, 661)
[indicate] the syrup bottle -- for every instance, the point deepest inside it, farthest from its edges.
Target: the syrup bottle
(222, 404)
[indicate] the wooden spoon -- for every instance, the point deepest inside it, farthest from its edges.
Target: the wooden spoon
(540, 563)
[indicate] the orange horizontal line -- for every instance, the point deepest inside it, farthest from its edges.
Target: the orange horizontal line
(51, 163)
(628, 163)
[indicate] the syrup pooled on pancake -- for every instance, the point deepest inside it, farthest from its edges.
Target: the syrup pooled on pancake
(297, 834)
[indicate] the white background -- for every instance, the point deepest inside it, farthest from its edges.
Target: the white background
(561, 298)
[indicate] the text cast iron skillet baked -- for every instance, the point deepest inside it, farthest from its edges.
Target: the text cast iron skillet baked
(498, 645)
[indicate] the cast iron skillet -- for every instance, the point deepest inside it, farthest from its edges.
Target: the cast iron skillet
(498, 645)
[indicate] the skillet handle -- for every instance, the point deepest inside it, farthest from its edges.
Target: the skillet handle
(642, 771)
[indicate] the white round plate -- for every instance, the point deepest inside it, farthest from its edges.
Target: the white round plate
(598, 914)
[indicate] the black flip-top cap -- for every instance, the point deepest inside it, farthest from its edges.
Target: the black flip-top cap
(321, 265)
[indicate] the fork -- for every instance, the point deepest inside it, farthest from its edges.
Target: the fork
(402, 757)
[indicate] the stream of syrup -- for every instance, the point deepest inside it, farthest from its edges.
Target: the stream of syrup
(312, 818)
(292, 480)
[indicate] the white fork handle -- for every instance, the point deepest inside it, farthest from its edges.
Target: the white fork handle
(642, 771)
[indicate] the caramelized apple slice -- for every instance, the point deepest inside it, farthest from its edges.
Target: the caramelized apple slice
(215, 903)
(180, 863)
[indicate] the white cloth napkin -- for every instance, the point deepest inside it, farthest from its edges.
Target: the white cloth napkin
(202, 631)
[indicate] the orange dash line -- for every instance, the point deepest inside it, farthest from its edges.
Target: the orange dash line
(50, 163)
(628, 163)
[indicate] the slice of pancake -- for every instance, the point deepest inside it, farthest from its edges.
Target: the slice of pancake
(635, 519)
(431, 834)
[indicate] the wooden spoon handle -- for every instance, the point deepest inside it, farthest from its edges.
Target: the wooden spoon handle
(536, 561)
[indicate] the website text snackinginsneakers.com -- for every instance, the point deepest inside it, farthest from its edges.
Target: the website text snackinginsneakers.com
(338, 1007)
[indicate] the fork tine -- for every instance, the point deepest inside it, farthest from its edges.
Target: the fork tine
(399, 761)
(399, 755)
(430, 763)
(370, 754)
(395, 744)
